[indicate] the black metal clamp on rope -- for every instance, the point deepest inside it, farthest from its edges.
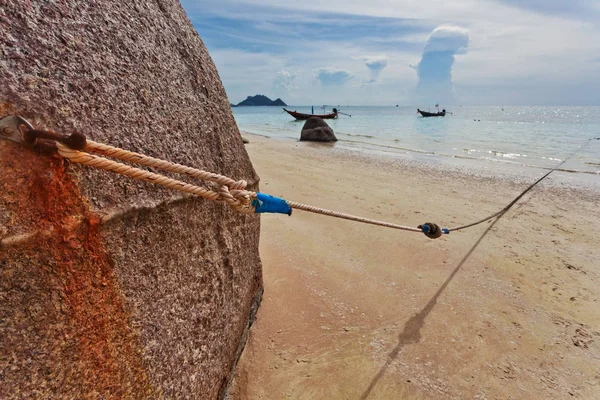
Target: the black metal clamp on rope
(433, 231)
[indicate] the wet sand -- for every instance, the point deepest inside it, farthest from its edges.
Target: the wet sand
(351, 311)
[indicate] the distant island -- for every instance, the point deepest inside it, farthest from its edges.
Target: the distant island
(260, 100)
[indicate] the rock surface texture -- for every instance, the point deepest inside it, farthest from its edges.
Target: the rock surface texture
(111, 288)
(316, 130)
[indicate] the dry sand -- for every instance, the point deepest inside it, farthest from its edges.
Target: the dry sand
(505, 310)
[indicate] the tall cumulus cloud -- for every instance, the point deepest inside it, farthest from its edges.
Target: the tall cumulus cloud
(435, 68)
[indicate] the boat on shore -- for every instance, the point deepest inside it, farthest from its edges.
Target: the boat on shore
(430, 114)
(302, 116)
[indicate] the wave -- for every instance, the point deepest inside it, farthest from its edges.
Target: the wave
(475, 155)
(487, 159)
(357, 135)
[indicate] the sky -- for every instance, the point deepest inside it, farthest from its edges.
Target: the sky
(406, 52)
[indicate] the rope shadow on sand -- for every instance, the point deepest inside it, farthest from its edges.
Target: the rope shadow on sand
(412, 329)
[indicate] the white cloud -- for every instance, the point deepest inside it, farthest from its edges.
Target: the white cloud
(376, 63)
(285, 82)
(447, 38)
(329, 76)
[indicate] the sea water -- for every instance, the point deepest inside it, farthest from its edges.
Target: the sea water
(526, 140)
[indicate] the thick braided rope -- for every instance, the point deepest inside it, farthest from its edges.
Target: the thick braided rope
(232, 192)
(331, 213)
(130, 156)
(239, 199)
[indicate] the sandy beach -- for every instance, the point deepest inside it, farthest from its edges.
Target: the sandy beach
(504, 310)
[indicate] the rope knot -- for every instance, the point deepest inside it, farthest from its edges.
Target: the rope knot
(431, 230)
(239, 199)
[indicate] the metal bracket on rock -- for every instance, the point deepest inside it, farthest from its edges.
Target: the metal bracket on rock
(11, 128)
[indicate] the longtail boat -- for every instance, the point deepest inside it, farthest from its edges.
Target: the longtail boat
(302, 116)
(430, 114)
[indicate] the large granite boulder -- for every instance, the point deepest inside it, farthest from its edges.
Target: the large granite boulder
(111, 288)
(316, 129)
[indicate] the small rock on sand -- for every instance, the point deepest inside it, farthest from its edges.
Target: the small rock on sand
(317, 130)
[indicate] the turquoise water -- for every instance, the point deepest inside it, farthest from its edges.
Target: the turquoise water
(531, 138)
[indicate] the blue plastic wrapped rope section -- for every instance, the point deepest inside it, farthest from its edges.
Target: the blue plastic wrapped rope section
(265, 203)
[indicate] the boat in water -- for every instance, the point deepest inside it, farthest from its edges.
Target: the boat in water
(302, 116)
(430, 114)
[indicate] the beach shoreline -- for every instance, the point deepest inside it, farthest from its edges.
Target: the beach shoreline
(585, 183)
(359, 311)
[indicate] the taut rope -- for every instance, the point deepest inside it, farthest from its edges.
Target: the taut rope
(77, 148)
(336, 214)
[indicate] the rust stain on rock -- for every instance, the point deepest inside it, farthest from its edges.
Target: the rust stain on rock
(64, 286)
